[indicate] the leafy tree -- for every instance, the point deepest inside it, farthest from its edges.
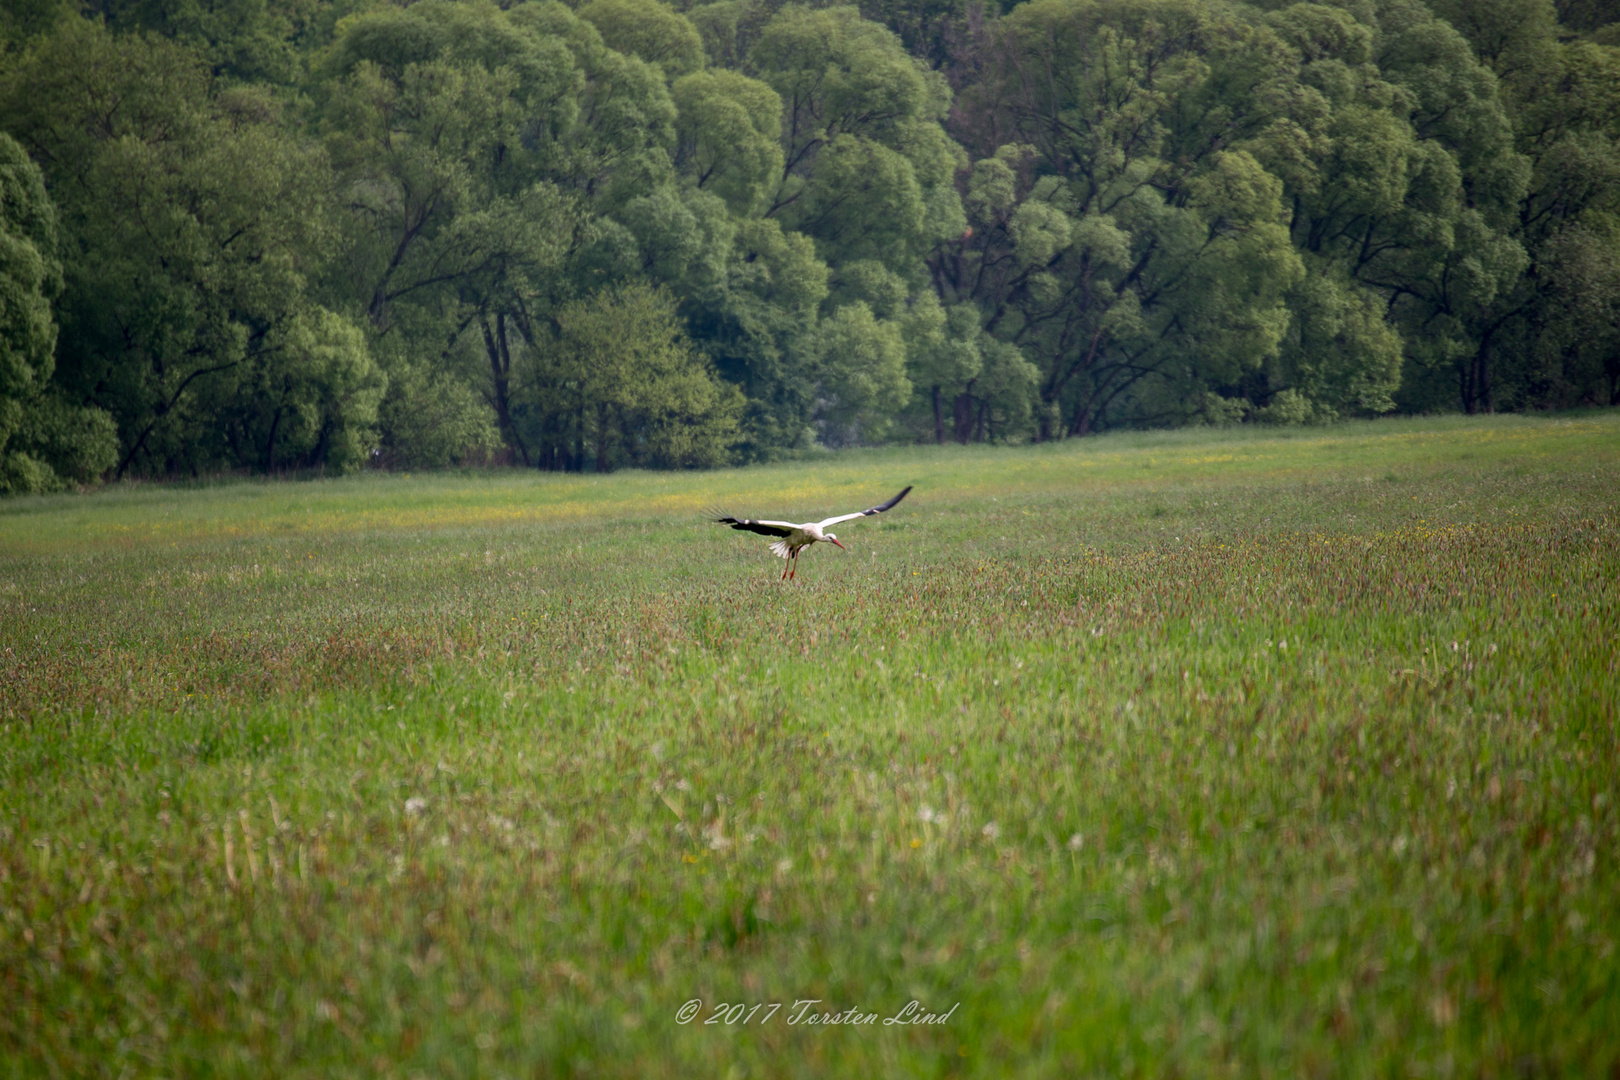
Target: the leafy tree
(43, 439)
(866, 172)
(861, 365)
(929, 29)
(946, 359)
(191, 220)
(1185, 210)
(760, 329)
(1541, 340)
(867, 166)
(1446, 253)
(730, 128)
(30, 274)
(242, 40)
(729, 28)
(1120, 235)
(650, 30)
(433, 418)
(1587, 15)
(309, 397)
(620, 384)
(22, 21)
(476, 145)
(1576, 356)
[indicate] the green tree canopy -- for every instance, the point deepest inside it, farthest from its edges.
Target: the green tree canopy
(620, 384)
(191, 221)
(286, 234)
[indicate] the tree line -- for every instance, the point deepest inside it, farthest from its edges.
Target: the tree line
(288, 234)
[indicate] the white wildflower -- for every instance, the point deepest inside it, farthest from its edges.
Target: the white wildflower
(991, 831)
(415, 805)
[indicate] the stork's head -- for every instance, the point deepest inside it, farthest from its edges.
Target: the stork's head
(834, 540)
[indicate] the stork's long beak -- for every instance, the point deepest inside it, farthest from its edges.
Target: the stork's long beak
(841, 547)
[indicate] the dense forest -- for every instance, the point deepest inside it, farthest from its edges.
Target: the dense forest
(291, 234)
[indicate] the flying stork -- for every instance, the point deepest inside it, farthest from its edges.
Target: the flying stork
(794, 537)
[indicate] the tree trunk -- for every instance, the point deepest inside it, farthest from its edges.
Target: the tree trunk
(964, 418)
(602, 438)
(323, 445)
(270, 444)
(1081, 426)
(500, 369)
(579, 438)
(1475, 377)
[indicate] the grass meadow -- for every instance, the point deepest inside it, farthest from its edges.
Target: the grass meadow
(1279, 753)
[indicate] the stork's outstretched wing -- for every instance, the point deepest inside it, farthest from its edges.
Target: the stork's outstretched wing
(764, 528)
(890, 505)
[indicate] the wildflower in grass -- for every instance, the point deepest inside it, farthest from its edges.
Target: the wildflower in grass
(1076, 842)
(991, 831)
(415, 805)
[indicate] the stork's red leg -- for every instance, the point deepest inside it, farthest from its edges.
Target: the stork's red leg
(785, 568)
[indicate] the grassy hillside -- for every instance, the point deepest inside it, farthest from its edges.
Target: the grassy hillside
(1200, 753)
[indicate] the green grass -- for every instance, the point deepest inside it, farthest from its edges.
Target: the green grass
(1245, 753)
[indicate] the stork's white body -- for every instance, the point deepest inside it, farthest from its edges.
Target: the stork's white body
(794, 537)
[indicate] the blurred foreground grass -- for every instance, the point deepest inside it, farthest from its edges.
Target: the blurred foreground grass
(1277, 753)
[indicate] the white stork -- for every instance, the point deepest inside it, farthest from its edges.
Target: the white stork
(794, 537)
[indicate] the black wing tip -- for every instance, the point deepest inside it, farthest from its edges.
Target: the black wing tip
(892, 503)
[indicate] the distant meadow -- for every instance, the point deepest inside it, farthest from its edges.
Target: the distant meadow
(1243, 752)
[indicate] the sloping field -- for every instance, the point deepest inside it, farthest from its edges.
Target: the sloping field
(1205, 753)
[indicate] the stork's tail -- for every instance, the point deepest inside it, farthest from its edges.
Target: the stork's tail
(781, 550)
